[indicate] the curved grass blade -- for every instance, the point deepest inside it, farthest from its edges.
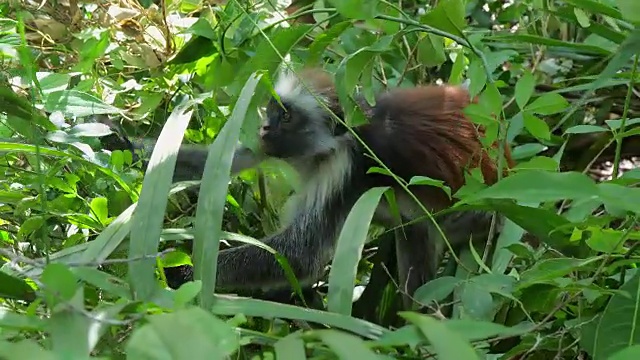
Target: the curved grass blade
(231, 305)
(148, 216)
(349, 250)
(213, 194)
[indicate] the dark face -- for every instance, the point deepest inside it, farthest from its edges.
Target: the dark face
(288, 131)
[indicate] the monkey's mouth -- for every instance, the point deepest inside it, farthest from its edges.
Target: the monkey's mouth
(268, 147)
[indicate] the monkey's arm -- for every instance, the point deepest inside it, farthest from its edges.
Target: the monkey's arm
(191, 159)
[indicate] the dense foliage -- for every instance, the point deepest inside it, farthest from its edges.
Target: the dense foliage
(85, 232)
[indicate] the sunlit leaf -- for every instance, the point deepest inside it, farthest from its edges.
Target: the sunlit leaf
(77, 103)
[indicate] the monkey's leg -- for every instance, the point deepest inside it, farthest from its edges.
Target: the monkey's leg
(417, 259)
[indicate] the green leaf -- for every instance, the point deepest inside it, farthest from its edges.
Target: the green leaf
(477, 302)
(510, 235)
(605, 240)
(455, 77)
(527, 150)
(186, 293)
(176, 258)
(348, 74)
(149, 214)
(491, 100)
(436, 290)
(60, 283)
(25, 349)
(77, 103)
(448, 344)
(324, 39)
(524, 89)
(616, 124)
(100, 209)
(582, 17)
(290, 347)
(616, 196)
(424, 180)
(548, 104)
(184, 334)
(431, 50)
(12, 320)
(585, 129)
(630, 10)
(477, 77)
(213, 194)
(356, 9)
(630, 353)
(51, 82)
(496, 284)
(351, 241)
(268, 54)
(448, 15)
(103, 281)
(533, 186)
(196, 48)
(548, 41)
(538, 163)
(536, 127)
(69, 328)
(550, 269)
(14, 288)
(616, 329)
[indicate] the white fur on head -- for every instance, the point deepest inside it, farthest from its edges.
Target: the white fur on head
(299, 94)
(302, 94)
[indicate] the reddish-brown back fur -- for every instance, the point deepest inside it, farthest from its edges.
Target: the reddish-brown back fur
(423, 131)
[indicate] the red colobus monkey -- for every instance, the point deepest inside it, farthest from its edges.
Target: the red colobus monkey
(418, 131)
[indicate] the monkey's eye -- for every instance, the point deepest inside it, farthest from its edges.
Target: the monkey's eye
(286, 116)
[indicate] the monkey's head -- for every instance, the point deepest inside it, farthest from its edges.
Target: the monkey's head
(299, 125)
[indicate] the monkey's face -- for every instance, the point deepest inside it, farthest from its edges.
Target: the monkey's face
(291, 131)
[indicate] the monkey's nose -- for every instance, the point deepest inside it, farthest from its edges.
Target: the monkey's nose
(264, 129)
